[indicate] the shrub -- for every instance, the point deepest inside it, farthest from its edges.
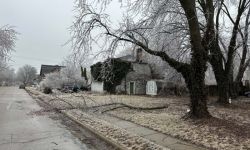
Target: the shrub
(22, 86)
(75, 89)
(47, 90)
(84, 88)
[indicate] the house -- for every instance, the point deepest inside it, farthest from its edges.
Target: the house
(135, 81)
(129, 74)
(46, 69)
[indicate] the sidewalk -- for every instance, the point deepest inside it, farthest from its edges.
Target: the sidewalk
(152, 135)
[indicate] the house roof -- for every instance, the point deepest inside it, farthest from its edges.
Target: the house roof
(46, 69)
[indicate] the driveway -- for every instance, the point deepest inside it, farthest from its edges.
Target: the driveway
(20, 130)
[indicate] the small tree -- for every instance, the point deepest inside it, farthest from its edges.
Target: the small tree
(26, 74)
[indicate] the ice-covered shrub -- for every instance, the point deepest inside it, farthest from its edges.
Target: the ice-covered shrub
(67, 76)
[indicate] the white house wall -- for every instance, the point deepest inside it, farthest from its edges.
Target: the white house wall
(151, 88)
(97, 87)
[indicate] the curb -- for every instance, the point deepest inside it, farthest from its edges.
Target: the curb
(101, 136)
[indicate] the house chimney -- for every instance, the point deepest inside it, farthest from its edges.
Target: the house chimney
(139, 55)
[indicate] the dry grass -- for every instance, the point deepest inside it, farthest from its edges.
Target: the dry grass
(228, 129)
(125, 139)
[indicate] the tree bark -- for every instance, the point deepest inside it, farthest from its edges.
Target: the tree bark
(195, 79)
(223, 92)
(198, 95)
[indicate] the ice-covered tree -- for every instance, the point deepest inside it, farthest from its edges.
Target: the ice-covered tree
(26, 74)
(7, 44)
(69, 74)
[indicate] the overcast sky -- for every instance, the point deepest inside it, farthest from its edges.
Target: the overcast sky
(43, 27)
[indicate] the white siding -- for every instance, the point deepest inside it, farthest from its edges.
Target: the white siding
(151, 88)
(97, 87)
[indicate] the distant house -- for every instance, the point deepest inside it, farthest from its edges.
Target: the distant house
(46, 69)
(132, 82)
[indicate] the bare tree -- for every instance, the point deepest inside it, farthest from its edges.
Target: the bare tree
(243, 56)
(26, 74)
(222, 55)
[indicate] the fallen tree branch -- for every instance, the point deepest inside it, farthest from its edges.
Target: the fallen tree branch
(122, 105)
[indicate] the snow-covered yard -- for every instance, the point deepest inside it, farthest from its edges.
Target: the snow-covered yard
(229, 129)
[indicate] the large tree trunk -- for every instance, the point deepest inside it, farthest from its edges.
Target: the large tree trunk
(198, 103)
(195, 79)
(196, 85)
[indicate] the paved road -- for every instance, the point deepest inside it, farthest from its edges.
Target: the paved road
(19, 130)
